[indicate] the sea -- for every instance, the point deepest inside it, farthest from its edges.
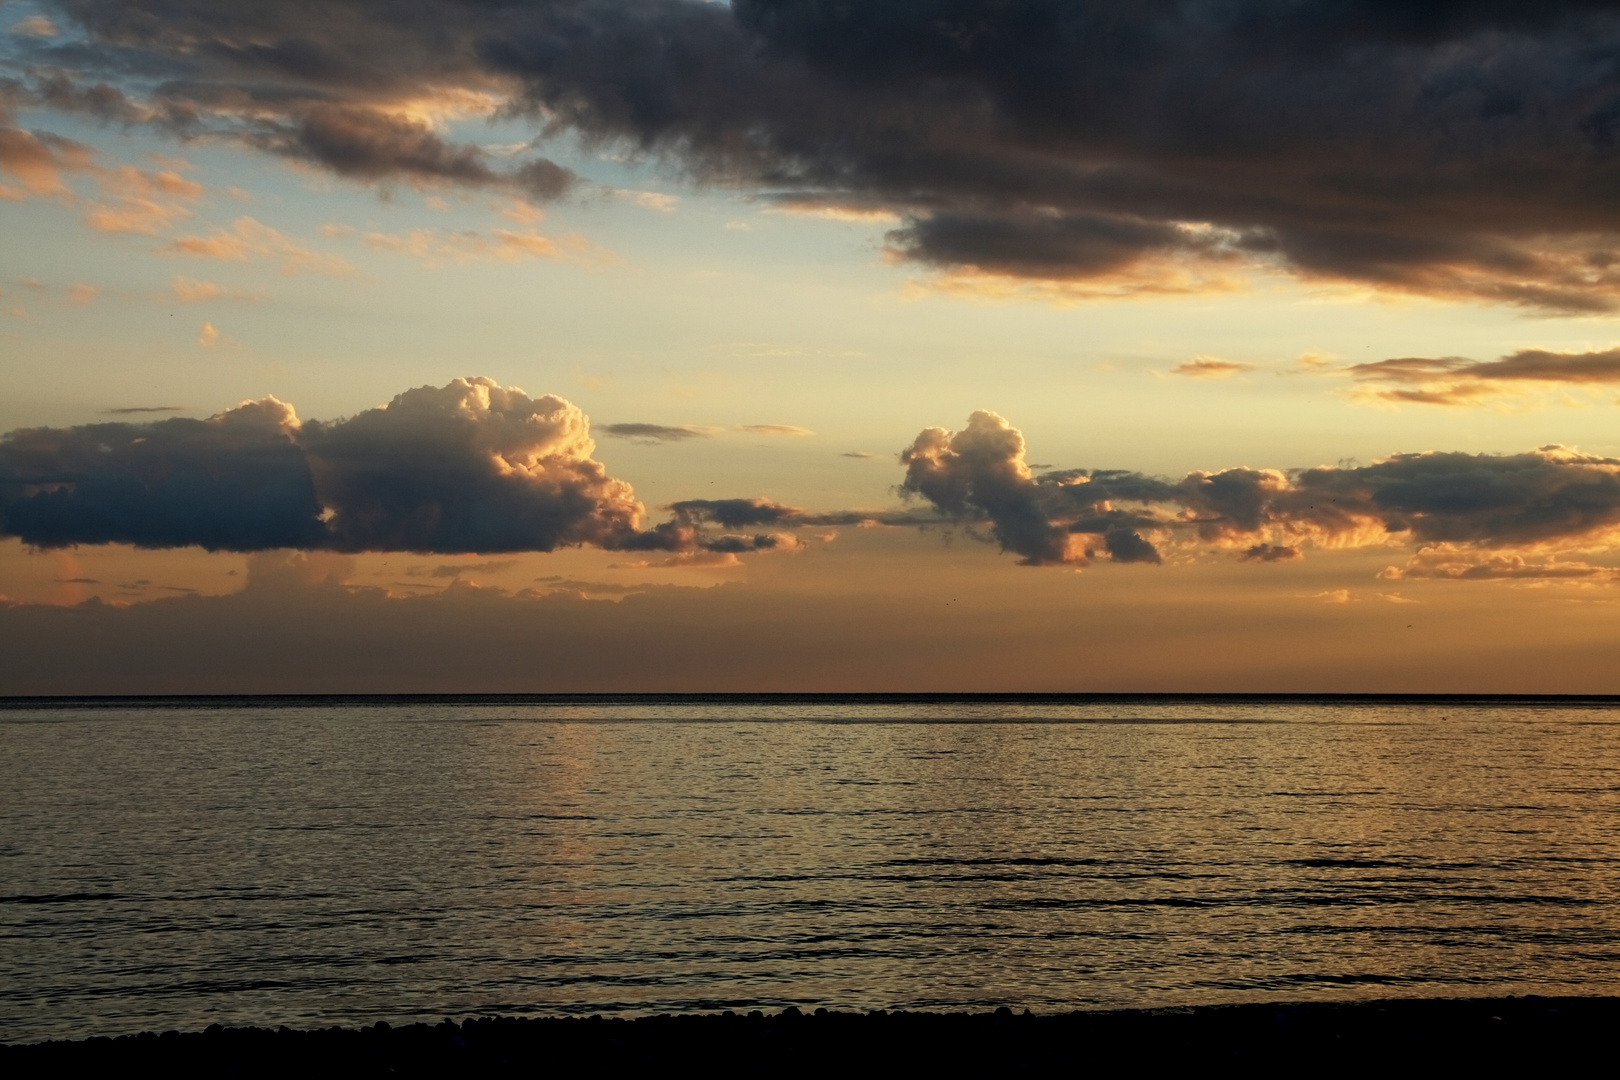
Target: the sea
(175, 863)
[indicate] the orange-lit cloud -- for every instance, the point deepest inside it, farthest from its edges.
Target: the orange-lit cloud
(141, 201)
(1139, 278)
(38, 162)
(248, 239)
(1456, 380)
(129, 199)
(834, 210)
(186, 290)
(468, 467)
(1455, 564)
(793, 430)
(1549, 499)
(35, 26)
(652, 200)
(476, 467)
(1210, 367)
(436, 247)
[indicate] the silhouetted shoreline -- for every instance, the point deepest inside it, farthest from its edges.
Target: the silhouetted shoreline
(1320, 1036)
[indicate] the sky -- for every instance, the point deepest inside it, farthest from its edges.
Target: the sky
(674, 345)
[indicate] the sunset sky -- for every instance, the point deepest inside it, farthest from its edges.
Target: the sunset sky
(528, 345)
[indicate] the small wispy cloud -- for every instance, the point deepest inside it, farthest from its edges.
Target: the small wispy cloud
(834, 211)
(1457, 380)
(141, 201)
(652, 200)
(1271, 553)
(36, 26)
(248, 239)
(793, 430)
(436, 247)
(191, 291)
(655, 433)
(456, 570)
(1210, 367)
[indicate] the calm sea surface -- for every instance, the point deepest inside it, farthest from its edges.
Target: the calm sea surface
(172, 865)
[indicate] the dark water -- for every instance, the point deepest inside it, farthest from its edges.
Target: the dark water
(172, 865)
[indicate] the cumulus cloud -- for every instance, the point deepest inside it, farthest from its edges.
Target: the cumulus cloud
(471, 466)
(1457, 380)
(476, 467)
(1444, 149)
(1551, 498)
(237, 481)
(980, 471)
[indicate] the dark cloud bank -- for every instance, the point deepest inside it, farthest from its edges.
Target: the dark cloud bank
(476, 467)
(470, 466)
(1546, 500)
(1464, 148)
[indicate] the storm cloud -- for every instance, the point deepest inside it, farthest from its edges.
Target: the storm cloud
(365, 144)
(234, 482)
(1549, 499)
(1450, 148)
(473, 466)
(467, 467)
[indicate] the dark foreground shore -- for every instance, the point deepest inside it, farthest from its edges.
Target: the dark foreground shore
(1403, 1035)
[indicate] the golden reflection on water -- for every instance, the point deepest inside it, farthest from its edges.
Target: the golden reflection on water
(169, 867)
